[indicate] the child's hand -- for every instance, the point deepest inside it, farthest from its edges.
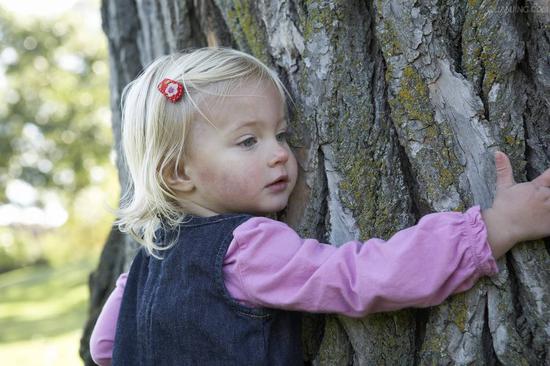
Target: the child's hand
(520, 211)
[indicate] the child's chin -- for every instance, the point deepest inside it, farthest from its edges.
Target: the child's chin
(269, 210)
(280, 207)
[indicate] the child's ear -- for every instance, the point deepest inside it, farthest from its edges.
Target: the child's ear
(180, 180)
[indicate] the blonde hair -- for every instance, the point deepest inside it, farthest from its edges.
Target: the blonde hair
(155, 130)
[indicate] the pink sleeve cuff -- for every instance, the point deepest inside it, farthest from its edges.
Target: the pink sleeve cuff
(483, 256)
(479, 249)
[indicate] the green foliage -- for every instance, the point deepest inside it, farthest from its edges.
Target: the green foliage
(55, 134)
(54, 126)
(42, 310)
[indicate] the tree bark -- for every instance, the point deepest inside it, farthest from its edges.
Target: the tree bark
(399, 106)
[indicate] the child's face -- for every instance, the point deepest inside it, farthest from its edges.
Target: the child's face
(235, 168)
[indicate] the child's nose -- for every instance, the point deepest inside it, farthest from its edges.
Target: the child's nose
(280, 156)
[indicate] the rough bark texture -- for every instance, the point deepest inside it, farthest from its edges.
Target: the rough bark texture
(398, 107)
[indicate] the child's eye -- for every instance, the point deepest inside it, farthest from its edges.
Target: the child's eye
(283, 136)
(249, 142)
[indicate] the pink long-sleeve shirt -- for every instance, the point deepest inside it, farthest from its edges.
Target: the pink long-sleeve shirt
(268, 264)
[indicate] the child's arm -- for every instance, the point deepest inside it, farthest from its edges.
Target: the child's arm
(103, 335)
(420, 266)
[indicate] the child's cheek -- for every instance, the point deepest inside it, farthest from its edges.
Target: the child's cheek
(240, 181)
(207, 175)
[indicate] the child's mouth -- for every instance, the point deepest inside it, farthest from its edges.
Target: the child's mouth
(279, 184)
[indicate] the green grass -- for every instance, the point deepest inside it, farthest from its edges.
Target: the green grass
(42, 313)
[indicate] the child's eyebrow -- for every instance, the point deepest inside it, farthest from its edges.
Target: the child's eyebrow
(254, 122)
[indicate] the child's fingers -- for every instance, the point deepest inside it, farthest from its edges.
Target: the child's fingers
(505, 175)
(543, 180)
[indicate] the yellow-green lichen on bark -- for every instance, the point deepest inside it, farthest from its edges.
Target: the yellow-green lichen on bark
(483, 56)
(459, 310)
(388, 40)
(253, 35)
(362, 190)
(492, 67)
(388, 76)
(471, 62)
(426, 139)
(361, 161)
(412, 101)
(320, 17)
(359, 195)
(433, 350)
(335, 347)
(445, 167)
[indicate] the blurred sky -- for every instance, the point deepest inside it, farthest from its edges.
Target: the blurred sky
(54, 8)
(20, 192)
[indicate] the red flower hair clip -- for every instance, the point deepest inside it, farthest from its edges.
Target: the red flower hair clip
(171, 89)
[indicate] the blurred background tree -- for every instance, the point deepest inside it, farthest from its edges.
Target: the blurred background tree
(56, 100)
(57, 181)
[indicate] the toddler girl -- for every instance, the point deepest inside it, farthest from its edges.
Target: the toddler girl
(218, 283)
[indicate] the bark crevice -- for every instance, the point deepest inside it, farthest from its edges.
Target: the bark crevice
(421, 322)
(489, 354)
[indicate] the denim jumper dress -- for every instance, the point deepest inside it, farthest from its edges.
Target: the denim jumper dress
(177, 311)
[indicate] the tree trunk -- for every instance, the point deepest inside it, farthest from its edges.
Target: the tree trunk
(398, 107)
